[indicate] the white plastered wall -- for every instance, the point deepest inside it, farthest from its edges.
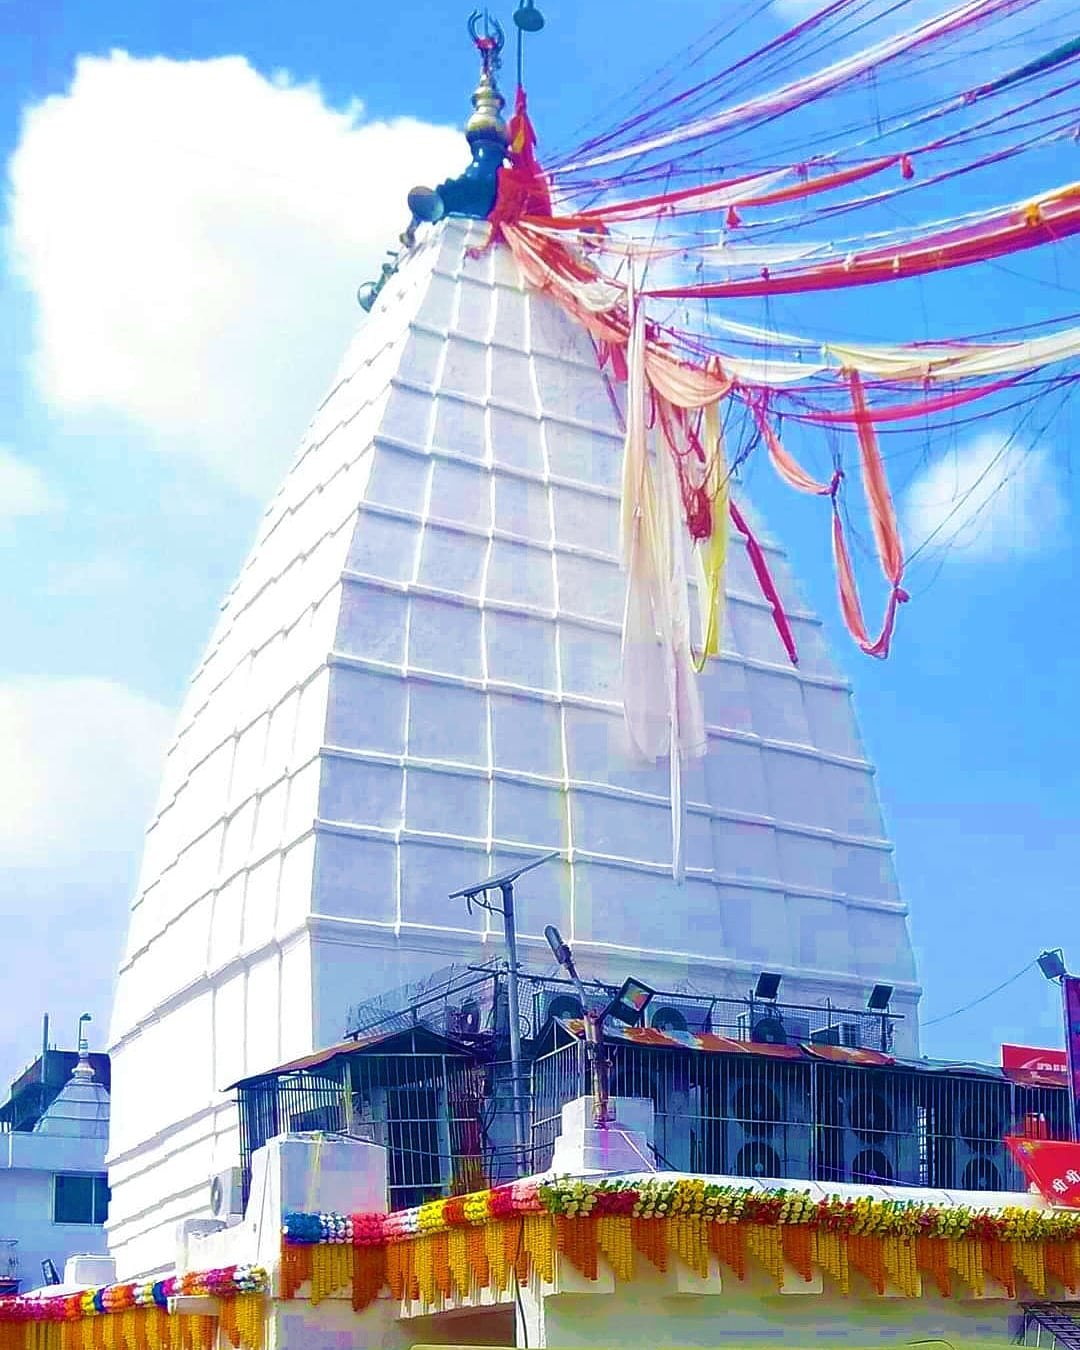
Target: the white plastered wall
(414, 682)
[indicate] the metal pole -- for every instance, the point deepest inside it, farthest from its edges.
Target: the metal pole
(515, 1025)
(594, 1049)
(595, 1042)
(1074, 1086)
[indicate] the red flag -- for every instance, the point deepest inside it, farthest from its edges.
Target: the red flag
(1052, 1165)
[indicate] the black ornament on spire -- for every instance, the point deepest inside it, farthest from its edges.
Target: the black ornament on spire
(472, 194)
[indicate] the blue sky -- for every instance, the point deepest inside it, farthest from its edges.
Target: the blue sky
(183, 240)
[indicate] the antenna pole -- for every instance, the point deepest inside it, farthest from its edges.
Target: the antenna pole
(504, 884)
(510, 931)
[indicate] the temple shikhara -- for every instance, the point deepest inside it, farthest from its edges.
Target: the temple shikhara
(512, 616)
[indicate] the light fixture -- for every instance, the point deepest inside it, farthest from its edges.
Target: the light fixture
(366, 296)
(767, 987)
(1052, 964)
(559, 950)
(880, 998)
(528, 18)
(629, 1003)
(594, 1022)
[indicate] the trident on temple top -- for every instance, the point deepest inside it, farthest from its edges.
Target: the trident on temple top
(488, 43)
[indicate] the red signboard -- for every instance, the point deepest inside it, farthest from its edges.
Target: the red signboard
(1026, 1059)
(1053, 1166)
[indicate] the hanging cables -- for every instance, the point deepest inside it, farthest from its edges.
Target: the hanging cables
(966, 1007)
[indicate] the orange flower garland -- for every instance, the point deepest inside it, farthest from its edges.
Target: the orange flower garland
(135, 1316)
(467, 1243)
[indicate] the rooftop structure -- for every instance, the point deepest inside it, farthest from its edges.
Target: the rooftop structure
(53, 1186)
(415, 682)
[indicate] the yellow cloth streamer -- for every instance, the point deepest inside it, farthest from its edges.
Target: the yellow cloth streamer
(711, 553)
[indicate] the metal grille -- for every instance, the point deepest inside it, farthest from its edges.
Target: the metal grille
(747, 1115)
(1051, 1326)
(425, 1109)
(9, 1265)
(439, 1001)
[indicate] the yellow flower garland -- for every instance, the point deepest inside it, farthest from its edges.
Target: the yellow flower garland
(151, 1328)
(436, 1265)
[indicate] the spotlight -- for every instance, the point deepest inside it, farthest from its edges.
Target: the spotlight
(1052, 964)
(767, 987)
(880, 998)
(366, 296)
(629, 1003)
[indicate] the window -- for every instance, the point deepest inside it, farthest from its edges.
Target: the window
(80, 1197)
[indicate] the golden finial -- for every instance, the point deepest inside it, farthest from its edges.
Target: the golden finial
(488, 103)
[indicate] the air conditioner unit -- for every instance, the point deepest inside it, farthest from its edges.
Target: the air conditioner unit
(768, 1029)
(465, 1020)
(873, 1139)
(766, 1129)
(797, 1028)
(566, 1007)
(840, 1033)
(979, 1160)
(692, 1018)
(227, 1194)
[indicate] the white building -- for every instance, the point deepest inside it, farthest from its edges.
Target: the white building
(415, 682)
(53, 1186)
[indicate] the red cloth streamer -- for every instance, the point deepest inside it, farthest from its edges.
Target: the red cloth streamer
(1013, 231)
(523, 189)
(882, 514)
(900, 412)
(792, 473)
(696, 200)
(684, 445)
(849, 597)
(882, 511)
(765, 581)
(886, 534)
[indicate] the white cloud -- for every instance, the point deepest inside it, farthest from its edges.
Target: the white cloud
(990, 499)
(194, 235)
(80, 764)
(23, 491)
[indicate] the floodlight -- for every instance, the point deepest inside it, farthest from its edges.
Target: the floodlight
(768, 986)
(880, 998)
(630, 1002)
(1052, 964)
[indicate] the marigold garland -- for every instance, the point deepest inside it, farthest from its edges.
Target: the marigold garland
(135, 1317)
(466, 1243)
(242, 1321)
